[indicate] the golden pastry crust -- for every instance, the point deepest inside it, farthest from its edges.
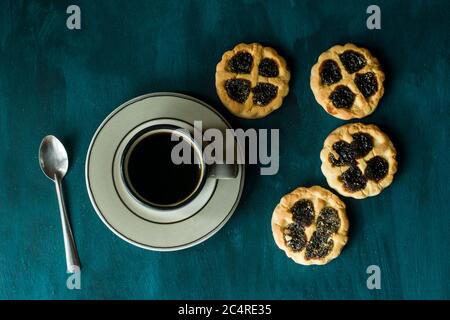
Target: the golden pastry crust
(362, 106)
(282, 217)
(382, 147)
(248, 109)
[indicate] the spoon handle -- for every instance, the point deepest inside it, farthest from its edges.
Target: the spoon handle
(72, 260)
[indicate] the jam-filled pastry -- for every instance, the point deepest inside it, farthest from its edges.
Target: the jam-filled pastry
(310, 225)
(358, 160)
(347, 81)
(252, 80)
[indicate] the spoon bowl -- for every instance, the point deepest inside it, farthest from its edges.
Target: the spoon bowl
(53, 158)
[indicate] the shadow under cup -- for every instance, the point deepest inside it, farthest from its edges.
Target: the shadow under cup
(152, 170)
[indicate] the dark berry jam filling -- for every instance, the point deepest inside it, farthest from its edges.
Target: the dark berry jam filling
(352, 61)
(348, 152)
(238, 89)
(328, 221)
(303, 212)
(264, 93)
(377, 168)
(362, 144)
(342, 97)
(319, 246)
(241, 62)
(295, 237)
(345, 152)
(353, 179)
(367, 83)
(330, 72)
(268, 68)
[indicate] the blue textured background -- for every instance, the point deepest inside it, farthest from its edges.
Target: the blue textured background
(53, 80)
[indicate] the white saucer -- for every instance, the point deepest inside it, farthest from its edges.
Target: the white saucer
(127, 218)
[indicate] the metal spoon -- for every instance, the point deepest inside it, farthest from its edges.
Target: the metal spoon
(54, 163)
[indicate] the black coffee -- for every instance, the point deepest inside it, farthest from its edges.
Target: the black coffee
(154, 176)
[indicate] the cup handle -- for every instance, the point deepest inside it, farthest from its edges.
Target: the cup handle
(223, 171)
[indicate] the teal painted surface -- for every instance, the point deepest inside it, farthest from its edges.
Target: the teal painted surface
(53, 80)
